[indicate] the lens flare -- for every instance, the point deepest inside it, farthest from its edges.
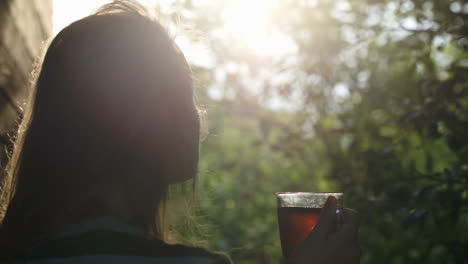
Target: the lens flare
(252, 23)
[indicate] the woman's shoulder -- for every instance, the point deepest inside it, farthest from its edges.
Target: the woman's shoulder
(104, 245)
(116, 244)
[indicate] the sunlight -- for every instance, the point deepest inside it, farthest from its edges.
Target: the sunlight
(247, 19)
(251, 23)
(66, 12)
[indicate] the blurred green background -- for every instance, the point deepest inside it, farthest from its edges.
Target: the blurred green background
(359, 96)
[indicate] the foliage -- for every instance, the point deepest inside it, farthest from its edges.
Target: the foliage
(382, 115)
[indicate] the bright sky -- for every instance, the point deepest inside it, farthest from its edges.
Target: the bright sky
(248, 22)
(68, 11)
(245, 20)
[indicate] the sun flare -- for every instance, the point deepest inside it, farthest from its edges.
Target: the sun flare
(252, 24)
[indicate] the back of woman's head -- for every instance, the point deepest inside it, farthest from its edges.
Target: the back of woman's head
(112, 123)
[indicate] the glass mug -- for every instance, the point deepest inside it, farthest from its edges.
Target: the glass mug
(298, 213)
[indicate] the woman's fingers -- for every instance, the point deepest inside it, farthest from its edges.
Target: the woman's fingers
(328, 220)
(329, 244)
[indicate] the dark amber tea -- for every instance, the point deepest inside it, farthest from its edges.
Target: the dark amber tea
(295, 224)
(298, 213)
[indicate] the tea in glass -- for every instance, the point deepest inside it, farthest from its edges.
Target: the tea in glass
(298, 213)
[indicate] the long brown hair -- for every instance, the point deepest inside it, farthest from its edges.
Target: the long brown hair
(111, 124)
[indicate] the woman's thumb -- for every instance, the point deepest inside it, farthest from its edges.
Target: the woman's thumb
(328, 220)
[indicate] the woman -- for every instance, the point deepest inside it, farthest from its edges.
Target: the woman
(110, 126)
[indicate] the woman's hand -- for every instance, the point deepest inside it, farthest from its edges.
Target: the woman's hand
(331, 242)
